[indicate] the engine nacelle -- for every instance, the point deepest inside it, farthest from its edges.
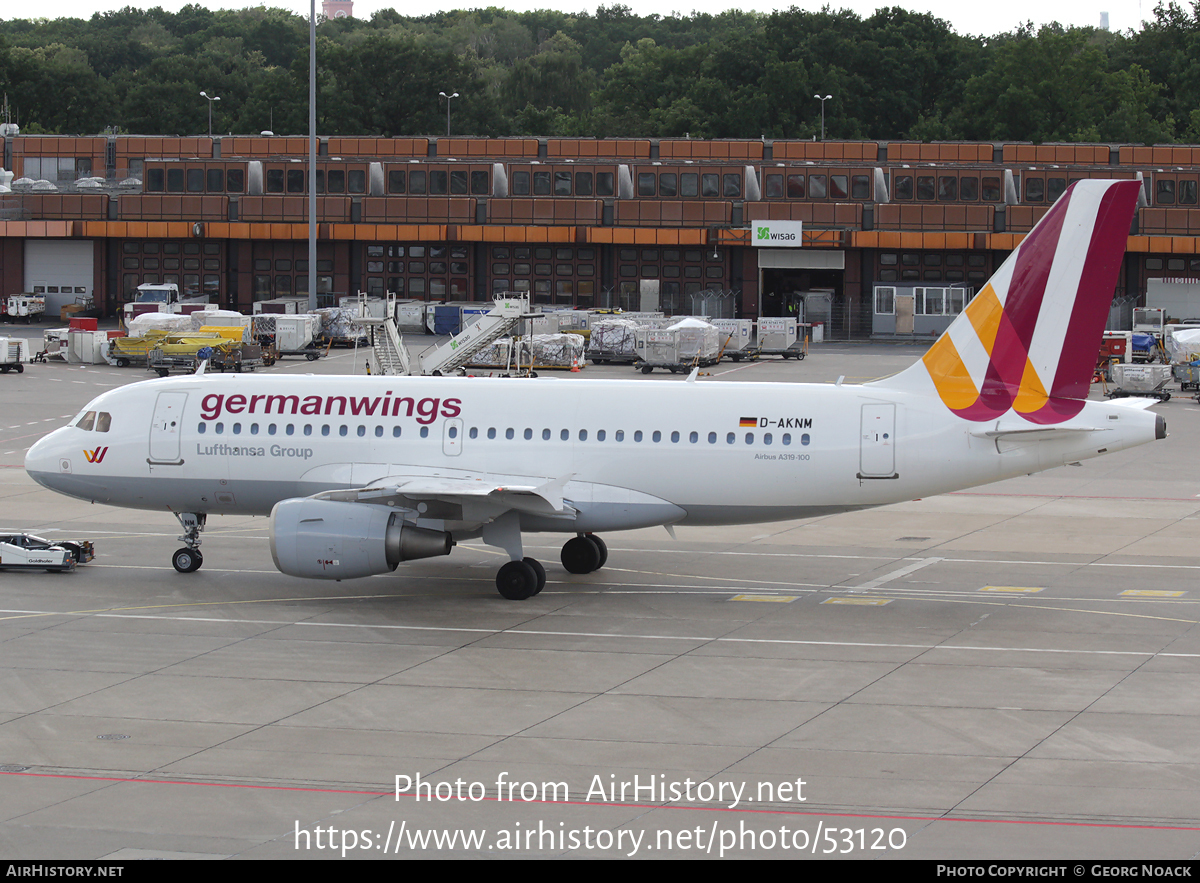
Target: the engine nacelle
(324, 539)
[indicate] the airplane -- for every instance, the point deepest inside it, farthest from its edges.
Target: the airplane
(360, 473)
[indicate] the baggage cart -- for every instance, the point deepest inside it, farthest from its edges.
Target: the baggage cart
(288, 335)
(1188, 375)
(778, 336)
(690, 343)
(613, 340)
(737, 338)
(126, 351)
(1140, 380)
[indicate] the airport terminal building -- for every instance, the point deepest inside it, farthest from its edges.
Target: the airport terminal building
(872, 239)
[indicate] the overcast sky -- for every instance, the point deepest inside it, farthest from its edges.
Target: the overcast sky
(965, 16)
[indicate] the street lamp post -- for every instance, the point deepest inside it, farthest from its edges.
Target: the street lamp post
(822, 100)
(211, 99)
(448, 97)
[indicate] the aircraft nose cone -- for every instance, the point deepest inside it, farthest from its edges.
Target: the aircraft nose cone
(42, 460)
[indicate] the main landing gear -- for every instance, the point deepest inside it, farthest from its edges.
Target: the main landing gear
(524, 578)
(584, 554)
(189, 559)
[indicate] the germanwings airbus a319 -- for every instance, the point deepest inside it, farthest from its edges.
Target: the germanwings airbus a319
(361, 473)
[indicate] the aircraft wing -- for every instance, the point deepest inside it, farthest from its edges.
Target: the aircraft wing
(466, 499)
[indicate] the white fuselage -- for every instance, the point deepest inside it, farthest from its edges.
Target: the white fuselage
(634, 453)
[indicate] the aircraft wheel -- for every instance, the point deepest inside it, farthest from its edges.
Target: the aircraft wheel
(517, 581)
(187, 560)
(580, 555)
(602, 547)
(539, 572)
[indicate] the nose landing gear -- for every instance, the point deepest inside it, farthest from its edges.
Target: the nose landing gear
(189, 559)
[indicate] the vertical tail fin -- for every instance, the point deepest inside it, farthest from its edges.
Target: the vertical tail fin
(1028, 340)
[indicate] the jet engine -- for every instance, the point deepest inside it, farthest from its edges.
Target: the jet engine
(324, 539)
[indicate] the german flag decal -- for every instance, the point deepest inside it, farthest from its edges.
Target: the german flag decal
(748, 421)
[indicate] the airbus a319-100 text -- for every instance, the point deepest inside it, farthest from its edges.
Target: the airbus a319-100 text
(359, 474)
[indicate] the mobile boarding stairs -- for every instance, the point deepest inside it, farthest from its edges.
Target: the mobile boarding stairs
(389, 356)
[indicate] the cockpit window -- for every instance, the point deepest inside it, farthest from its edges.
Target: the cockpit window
(103, 421)
(87, 421)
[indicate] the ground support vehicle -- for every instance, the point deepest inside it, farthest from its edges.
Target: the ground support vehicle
(1139, 380)
(27, 552)
(1146, 348)
(162, 298)
(29, 307)
(14, 353)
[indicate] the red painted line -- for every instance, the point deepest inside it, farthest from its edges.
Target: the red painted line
(599, 803)
(1195, 499)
